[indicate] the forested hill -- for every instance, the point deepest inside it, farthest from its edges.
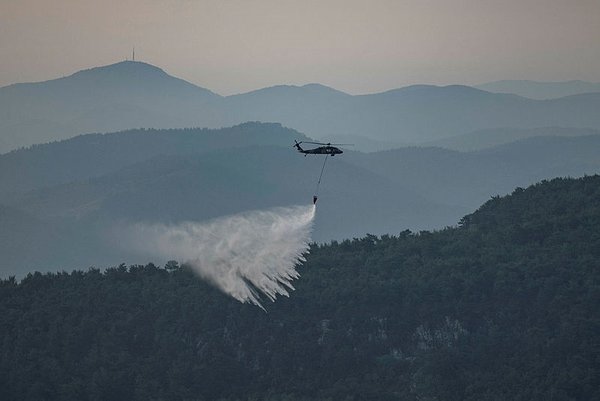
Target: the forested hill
(503, 307)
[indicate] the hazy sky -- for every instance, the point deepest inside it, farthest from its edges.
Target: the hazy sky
(232, 46)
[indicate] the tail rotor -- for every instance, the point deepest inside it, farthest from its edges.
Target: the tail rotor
(297, 145)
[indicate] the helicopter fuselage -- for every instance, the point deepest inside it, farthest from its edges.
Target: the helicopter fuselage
(322, 150)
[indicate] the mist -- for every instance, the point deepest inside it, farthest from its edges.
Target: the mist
(244, 255)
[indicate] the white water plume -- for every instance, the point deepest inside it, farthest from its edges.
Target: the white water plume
(239, 254)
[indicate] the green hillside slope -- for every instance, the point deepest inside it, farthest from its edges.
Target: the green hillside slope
(505, 306)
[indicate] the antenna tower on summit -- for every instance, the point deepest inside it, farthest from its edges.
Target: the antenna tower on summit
(133, 53)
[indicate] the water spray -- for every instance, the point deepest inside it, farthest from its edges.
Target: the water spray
(246, 256)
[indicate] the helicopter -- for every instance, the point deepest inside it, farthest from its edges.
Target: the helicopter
(325, 148)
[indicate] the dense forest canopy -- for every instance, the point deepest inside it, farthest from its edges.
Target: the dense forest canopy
(503, 307)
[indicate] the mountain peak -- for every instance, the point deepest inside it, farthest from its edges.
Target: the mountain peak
(293, 90)
(322, 88)
(432, 90)
(123, 68)
(130, 75)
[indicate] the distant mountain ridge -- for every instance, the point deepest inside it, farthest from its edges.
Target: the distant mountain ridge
(131, 95)
(119, 74)
(103, 99)
(79, 188)
(486, 138)
(540, 90)
(94, 155)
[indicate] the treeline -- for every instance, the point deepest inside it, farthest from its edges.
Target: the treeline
(504, 307)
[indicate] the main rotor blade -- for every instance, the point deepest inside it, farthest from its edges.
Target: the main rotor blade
(330, 144)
